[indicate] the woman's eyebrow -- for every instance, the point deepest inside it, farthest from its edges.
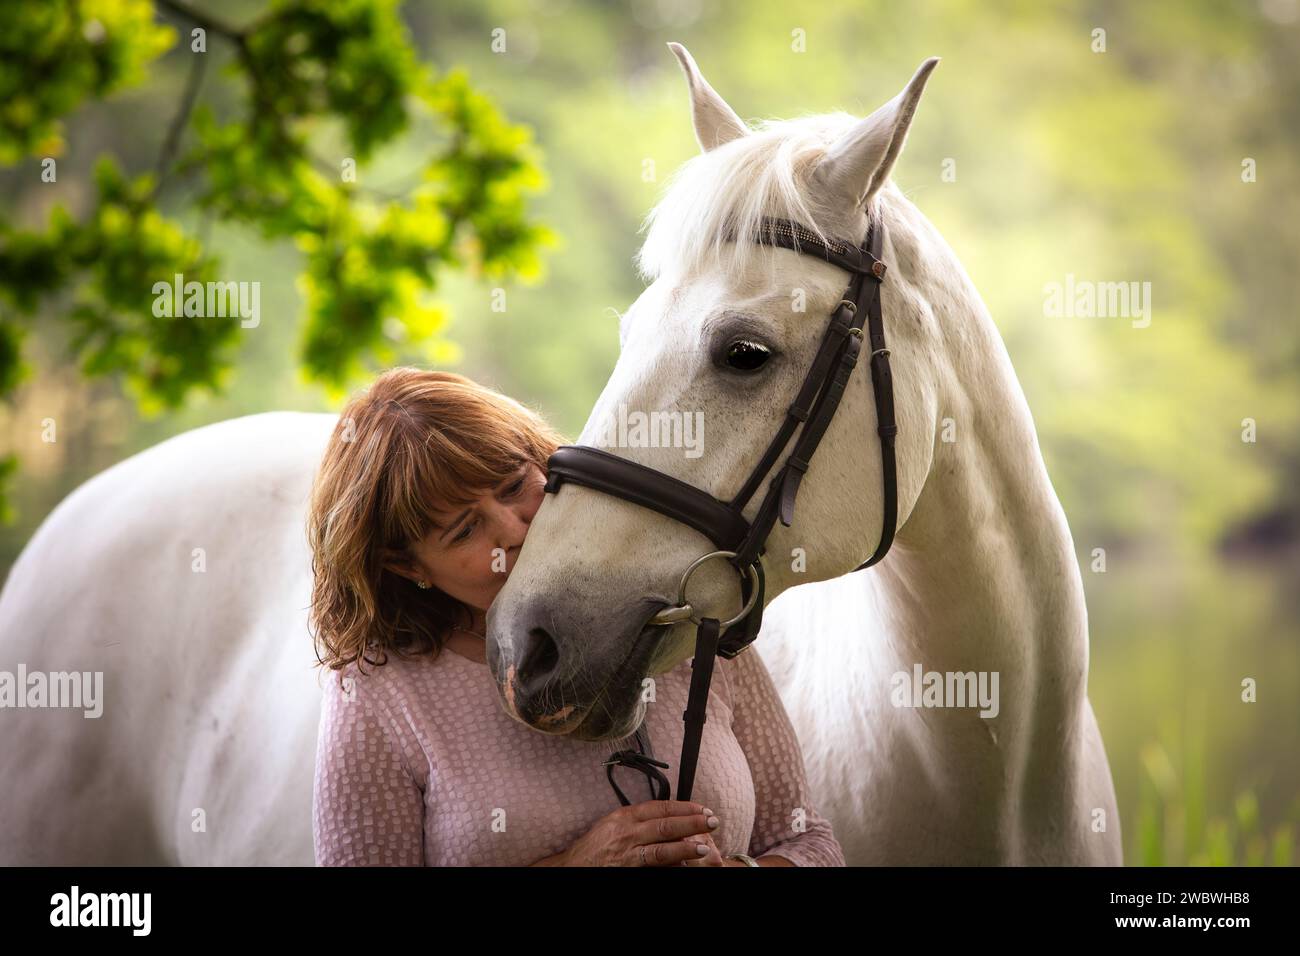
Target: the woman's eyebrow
(454, 522)
(461, 517)
(514, 476)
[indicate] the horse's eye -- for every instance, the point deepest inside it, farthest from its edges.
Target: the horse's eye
(746, 356)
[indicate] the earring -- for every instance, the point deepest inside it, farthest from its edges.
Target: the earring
(422, 584)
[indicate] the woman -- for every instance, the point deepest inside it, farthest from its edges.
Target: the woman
(418, 512)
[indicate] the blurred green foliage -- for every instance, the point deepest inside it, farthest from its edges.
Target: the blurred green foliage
(1172, 829)
(370, 264)
(1122, 165)
(54, 55)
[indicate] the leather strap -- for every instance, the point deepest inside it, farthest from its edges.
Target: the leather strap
(862, 305)
(882, 384)
(743, 633)
(840, 252)
(695, 716)
(801, 408)
(643, 760)
(595, 468)
(706, 646)
(721, 523)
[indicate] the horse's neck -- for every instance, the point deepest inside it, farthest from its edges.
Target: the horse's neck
(983, 575)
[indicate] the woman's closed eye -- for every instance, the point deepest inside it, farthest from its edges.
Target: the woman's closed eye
(464, 533)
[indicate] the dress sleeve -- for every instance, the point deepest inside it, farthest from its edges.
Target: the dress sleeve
(367, 809)
(785, 822)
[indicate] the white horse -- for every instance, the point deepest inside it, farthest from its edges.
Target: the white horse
(183, 574)
(982, 583)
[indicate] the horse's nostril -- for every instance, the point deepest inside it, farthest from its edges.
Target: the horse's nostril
(538, 661)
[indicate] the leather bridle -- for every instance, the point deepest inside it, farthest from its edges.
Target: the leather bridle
(739, 541)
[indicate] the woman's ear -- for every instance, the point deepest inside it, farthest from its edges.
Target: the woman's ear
(400, 563)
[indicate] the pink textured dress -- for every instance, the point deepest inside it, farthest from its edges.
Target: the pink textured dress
(417, 763)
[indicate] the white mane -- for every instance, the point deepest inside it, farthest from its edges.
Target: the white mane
(730, 189)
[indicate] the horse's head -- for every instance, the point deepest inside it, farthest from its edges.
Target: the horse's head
(713, 353)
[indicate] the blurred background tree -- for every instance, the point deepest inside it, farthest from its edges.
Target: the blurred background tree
(317, 86)
(1161, 149)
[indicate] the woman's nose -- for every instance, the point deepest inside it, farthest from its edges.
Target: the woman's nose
(511, 526)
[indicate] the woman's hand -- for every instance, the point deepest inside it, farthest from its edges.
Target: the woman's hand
(715, 855)
(652, 833)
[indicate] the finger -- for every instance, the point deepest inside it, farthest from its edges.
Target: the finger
(658, 809)
(666, 854)
(666, 829)
(714, 858)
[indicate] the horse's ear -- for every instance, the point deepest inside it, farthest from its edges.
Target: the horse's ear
(857, 164)
(715, 122)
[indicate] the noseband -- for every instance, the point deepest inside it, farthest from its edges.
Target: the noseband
(742, 543)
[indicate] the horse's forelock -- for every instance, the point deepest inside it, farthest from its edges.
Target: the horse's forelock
(730, 189)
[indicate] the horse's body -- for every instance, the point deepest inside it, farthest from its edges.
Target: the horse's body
(212, 701)
(906, 786)
(205, 749)
(206, 745)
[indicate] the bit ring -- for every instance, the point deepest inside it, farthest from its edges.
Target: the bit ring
(685, 612)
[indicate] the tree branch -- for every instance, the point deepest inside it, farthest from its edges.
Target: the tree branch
(202, 20)
(173, 141)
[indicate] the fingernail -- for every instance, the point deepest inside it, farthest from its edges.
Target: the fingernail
(713, 823)
(708, 812)
(701, 850)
